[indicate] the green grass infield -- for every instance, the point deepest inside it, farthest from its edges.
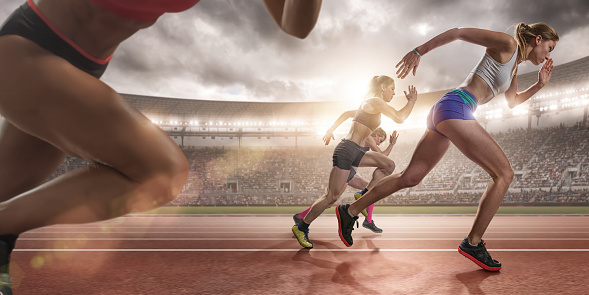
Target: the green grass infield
(377, 210)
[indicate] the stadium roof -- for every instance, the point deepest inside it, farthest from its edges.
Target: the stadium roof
(186, 109)
(164, 108)
(571, 73)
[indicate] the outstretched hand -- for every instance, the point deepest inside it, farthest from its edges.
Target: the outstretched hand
(409, 63)
(328, 137)
(393, 138)
(412, 95)
(545, 72)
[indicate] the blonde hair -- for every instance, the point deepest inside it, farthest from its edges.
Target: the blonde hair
(524, 34)
(375, 85)
(380, 132)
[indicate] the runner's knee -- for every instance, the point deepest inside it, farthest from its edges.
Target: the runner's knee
(410, 179)
(390, 167)
(332, 197)
(177, 174)
(506, 175)
(503, 175)
(164, 177)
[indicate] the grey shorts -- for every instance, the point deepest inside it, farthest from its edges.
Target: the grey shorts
(347, 155)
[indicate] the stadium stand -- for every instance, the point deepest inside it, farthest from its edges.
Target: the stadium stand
(551, 163)
(551, 166)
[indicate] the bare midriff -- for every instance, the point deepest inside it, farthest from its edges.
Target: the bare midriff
(358, 133)
(478, 87)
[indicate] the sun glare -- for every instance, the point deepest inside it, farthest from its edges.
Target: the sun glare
(422, 28)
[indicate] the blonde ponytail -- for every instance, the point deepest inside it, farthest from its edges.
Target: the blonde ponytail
(374, 88)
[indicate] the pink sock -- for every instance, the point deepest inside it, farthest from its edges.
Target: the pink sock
(304, 213)
(369, 211)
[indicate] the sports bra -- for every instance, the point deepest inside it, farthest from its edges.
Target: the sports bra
(497, 75)
(144, 10)
(372, 121)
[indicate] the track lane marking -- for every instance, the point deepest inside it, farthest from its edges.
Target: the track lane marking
(318, 227)
(285, 232)
(290, 250)
(289, 239)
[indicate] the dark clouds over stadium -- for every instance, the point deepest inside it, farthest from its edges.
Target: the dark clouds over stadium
(232, 50)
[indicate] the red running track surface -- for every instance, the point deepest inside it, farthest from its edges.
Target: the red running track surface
(259, 255)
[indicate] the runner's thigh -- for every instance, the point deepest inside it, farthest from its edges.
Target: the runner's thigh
(47, 97)
(26, 161)
(375, 159)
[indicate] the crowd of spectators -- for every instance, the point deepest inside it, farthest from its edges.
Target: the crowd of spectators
(551, 166)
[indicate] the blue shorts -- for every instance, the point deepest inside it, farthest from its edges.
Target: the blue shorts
(348, 154)
(455, 104)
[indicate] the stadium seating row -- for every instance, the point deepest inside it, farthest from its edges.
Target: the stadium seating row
(551, 166)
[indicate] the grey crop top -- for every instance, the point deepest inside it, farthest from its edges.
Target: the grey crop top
(497, 75)
(372, 121)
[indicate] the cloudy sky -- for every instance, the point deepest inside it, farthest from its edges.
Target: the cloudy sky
(232, 50)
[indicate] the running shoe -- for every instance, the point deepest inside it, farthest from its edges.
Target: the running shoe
(5, 284)
(479, 255)
(297, 219)
(7, 243)
(302, 237)
(371, 226)
(357, 196)
(345, 224)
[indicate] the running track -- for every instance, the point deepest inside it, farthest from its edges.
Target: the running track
(241, 254)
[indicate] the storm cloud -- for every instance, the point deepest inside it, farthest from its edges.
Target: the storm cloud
(232, 50)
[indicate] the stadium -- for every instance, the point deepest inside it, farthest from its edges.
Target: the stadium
(204, 146)
(252, 165)
(271, 154)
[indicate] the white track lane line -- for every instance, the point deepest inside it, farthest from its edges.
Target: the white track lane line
(317, 227)
(288, 239)
(281, 232)
(290, 250)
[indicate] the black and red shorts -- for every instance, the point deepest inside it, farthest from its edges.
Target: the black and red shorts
(26, 21)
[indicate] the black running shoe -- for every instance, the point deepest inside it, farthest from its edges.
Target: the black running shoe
(297, 219)
(5, 284)
(7, 243)
(371, 226)
(479, 255)
(345, 224)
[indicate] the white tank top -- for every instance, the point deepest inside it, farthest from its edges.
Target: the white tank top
(497, 75)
